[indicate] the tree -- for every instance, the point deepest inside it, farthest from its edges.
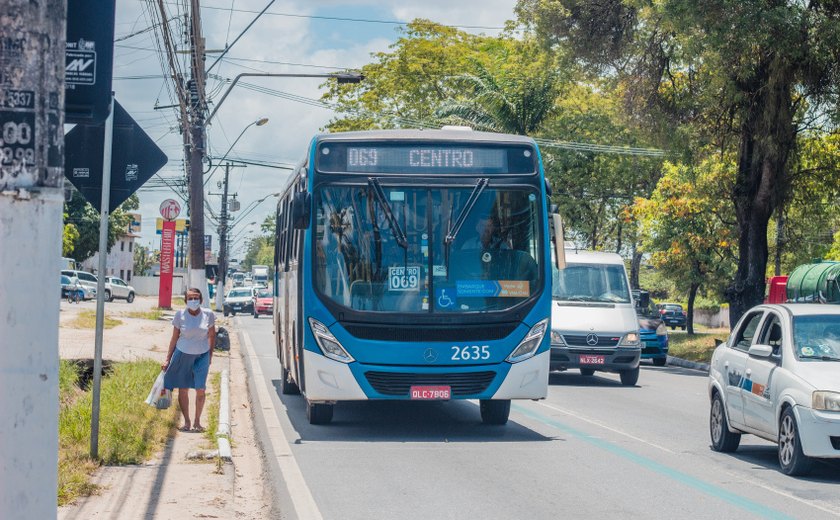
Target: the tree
(763, 68)
(689, 227)
(79, 213)
(144, 259)
(69, 238)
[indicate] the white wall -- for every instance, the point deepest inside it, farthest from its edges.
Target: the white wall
(150, 285)
(120, 261)
(717, 320)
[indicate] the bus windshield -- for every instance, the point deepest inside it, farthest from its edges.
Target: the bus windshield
(494, 262)
(604, 283)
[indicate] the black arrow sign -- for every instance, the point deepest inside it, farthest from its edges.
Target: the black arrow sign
(134, 159)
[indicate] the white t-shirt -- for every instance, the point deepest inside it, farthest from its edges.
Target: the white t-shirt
(194, 329)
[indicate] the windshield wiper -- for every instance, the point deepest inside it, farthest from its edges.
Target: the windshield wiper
(396, 230)
(453, 230)
(821, 358)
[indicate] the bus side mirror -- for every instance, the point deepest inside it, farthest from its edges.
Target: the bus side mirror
(559, 243)
(301, 211)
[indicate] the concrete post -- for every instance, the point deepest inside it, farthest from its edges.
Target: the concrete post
(32, 40)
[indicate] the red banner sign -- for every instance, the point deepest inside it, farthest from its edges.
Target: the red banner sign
(167, 264)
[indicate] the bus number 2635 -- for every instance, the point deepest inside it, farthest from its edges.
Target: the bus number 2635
(470, 352)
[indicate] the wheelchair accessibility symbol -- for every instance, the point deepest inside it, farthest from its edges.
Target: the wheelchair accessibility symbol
(445, 298)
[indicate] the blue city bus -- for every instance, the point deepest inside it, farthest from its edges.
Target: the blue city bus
(414, 265)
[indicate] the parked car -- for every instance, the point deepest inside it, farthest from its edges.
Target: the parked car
(239, 299)
(85, 278)
(117, 288)
(777, 376)
(652, 331)
(263, 302)
(672, 315)
(69, 283)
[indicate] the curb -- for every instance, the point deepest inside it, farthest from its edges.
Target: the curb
(223, 430)
(684, 363)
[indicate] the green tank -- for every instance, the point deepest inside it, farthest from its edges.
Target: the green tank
(818, 282)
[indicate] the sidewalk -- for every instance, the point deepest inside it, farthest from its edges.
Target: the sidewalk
(171, 486)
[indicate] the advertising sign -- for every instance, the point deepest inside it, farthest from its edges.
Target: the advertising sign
(167, 264)
(89, 60)
(170, 209)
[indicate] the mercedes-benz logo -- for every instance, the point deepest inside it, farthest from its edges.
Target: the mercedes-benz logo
(430, 355)
(592, 340)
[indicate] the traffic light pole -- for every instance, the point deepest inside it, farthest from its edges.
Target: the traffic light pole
(31, 203)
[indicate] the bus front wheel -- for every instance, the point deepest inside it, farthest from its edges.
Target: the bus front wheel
(319, 413)
(495, 411)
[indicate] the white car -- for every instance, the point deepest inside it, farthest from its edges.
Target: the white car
(778, 377)
(239, 299)
(116, 288)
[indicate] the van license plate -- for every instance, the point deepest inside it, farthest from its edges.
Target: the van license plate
(431, 393)
(591, 360)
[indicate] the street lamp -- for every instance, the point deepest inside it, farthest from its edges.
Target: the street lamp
(223, 226)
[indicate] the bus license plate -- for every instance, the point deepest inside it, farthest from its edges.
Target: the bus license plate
(431, 392)
(591, 360)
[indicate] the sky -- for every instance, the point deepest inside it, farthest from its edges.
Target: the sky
(291, 37)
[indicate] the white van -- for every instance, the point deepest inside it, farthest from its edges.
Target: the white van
(593, 322)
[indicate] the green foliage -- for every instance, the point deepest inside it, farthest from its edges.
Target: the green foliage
(79, 213)
(129, 431)
(144, 259)
(260, 252)
(69, 238)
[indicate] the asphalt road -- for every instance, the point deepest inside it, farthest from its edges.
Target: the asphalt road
(593, 449)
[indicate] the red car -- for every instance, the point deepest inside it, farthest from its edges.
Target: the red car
(263, 302)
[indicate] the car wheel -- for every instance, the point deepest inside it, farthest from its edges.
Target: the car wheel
(587, 371)
(683, 327)
(233, 312)
(629, 377)
(319, 413)
(130, 297)
(495, 411)
(660, 362)
(673, 327)
(287, 386)
(256, 315)
(723, 440)
(226, 312)
(793, 461)
(108, 296)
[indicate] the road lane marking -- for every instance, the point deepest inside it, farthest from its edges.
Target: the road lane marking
(602, 425)
(302, 500)
(825, 509)
(674, 474)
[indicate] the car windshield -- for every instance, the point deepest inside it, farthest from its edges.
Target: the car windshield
(264, 293)
(387, 251)
(239, 293)
(817, 337)
(65, 279)
(604, 283)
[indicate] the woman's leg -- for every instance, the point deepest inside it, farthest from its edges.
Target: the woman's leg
(184, 403)
(200, 395)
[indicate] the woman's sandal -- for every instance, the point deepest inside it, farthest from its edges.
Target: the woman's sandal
(184, 429)
(199, 429)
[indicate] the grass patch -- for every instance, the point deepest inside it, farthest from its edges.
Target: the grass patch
(154, 314)
(87, 320)
(211, 406)
(695, 347)
(129, 430)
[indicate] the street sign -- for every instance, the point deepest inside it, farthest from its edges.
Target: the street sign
(170, 209)
(134, 159)
(89, 60)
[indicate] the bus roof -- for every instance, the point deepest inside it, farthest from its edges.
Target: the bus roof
(426, 135)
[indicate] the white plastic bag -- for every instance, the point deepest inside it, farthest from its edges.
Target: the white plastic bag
(159, 397)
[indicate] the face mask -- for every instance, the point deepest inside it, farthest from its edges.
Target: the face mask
(193, 304)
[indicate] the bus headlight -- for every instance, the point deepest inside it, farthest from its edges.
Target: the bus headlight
(631, 339)
(828, 401)
(529, 345)
(328, 344)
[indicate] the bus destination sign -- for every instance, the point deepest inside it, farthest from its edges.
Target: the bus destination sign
(428, 158)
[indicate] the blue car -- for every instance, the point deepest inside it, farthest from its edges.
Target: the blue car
(653, 333)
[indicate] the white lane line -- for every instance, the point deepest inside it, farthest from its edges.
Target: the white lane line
(302, 499)
(602, 425)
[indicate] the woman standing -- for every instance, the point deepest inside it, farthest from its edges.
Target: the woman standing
(190, 354)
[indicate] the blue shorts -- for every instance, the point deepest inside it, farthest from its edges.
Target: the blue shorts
(187, 371)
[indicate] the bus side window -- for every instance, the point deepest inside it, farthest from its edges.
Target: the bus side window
(277, 219)
(281, 234)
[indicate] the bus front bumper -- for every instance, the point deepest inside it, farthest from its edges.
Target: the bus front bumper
(327, 380)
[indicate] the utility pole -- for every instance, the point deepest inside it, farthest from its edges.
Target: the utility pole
(198, 104)
(32, 45)
(223, 231)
